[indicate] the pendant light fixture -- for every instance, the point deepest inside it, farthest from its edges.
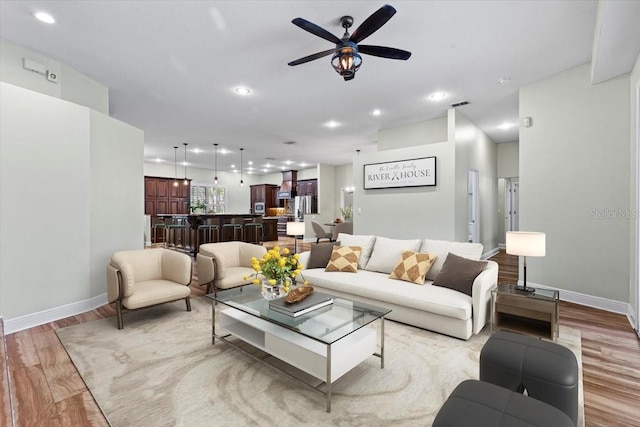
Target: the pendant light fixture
(186, 181)
(241, 181)
(215, 178)
(175, 165)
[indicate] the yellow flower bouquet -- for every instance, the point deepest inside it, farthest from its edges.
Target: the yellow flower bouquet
(279, 269)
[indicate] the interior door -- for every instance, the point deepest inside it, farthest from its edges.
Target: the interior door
(515, 206)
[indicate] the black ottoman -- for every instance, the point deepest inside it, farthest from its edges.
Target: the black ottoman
(547, 371)
(479, 404)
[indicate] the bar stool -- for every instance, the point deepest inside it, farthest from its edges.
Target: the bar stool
(235, 227)
(154, 232)
(180, 227)
(209, 230)
(255, 227)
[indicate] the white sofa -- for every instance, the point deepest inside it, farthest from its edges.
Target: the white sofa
(436, 308)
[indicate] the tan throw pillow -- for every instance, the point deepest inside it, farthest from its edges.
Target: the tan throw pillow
(344, 258)
(413, 267)
(458, 273)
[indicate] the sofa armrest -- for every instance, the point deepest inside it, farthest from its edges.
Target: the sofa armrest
(481, 295)
(206, 268)
(304, 259)
(113, 284)
(176, 267)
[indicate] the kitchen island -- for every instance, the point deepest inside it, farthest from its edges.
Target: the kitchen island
(193, 221)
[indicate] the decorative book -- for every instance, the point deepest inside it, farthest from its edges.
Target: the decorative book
(314, 301)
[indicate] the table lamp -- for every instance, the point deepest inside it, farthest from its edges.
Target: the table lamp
(526, 243)
(295, 229)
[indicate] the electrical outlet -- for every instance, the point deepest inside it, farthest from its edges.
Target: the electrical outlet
(359, 211)
(52, 77)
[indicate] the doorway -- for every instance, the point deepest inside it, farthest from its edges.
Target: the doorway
(473, 206)
(511, 205)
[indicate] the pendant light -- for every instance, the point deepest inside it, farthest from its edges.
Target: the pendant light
(186, 181)
(215, 178)
(241, 181)
(175, 165)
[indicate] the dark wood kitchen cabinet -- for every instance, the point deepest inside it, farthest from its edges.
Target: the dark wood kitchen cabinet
(162, 197)
(308, 187)
(264, 193)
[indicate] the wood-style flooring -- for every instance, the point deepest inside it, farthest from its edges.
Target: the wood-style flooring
(41, 387)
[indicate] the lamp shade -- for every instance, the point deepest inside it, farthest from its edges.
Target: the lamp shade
(295, 228)
(526, 243)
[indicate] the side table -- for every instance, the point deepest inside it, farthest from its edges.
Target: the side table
(529, 313)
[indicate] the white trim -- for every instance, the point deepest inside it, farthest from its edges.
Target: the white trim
(491, 253)
(53, 314)
(587, 300)
(502, 246)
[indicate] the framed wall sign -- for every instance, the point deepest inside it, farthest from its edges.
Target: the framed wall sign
(403, 173)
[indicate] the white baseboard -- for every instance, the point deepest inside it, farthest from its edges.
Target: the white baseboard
(502, 245)
(587, 300)
(53, 314)
(491, 253)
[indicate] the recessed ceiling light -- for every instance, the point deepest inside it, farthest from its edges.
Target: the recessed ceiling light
(282, 167)
(249, 162)
(376, 112)
(233, 166)
(506, 126)
(268, 165)
(437, 96)
(504, 80)
(303, 165)
(224, 151)
(196, 150)
(265, 170)
(242, 90)
(44, 17)
(288, 162)
(159, 160)
(332, 124)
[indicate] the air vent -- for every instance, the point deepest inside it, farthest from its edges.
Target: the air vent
(289, 142)
(271, 159)
(460, 104)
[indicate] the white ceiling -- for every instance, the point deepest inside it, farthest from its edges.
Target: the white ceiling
(171, 67)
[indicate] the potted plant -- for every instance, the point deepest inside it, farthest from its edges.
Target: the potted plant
(346, 212)
(198, 208)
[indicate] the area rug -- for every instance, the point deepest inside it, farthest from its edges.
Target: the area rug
(161, 370)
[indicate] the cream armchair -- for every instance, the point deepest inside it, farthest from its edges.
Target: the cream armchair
(225, 265)
(146, 277)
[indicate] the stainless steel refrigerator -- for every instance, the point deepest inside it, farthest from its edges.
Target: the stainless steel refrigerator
(303, 205)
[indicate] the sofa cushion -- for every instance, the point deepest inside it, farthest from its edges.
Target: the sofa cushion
(458, 273)
(441, 248)
(412, 267)
(377, 287)
(386, 253)
(344, 258)
(320, 255)
(365, 242)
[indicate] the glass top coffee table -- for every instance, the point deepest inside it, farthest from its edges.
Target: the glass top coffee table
(326, 343)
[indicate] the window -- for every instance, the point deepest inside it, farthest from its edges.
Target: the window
(213, 197)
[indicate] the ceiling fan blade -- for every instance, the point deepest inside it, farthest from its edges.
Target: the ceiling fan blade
(384, 52)
(312, 57)
(316, 30)
(373, 23)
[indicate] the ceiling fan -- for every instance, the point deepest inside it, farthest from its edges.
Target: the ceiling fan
(346, 59)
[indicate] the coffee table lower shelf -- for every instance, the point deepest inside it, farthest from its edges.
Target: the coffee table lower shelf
(327, 362)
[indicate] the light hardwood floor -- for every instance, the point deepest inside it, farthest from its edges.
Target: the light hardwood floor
(41, 387)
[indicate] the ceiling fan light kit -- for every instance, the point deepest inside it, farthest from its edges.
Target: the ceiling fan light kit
(346, 59)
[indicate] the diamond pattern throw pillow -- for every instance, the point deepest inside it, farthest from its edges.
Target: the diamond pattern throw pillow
(413, 267)
(344, 258)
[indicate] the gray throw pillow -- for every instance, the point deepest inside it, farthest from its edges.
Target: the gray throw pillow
(320, 255)
(458, 273)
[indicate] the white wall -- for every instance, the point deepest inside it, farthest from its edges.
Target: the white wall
(58, 221)
(508, 159)
(634, 165)
(574, 182)
(474, 150)
(421, 133)
(407, 213)
(116, 191)
(71, 86)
